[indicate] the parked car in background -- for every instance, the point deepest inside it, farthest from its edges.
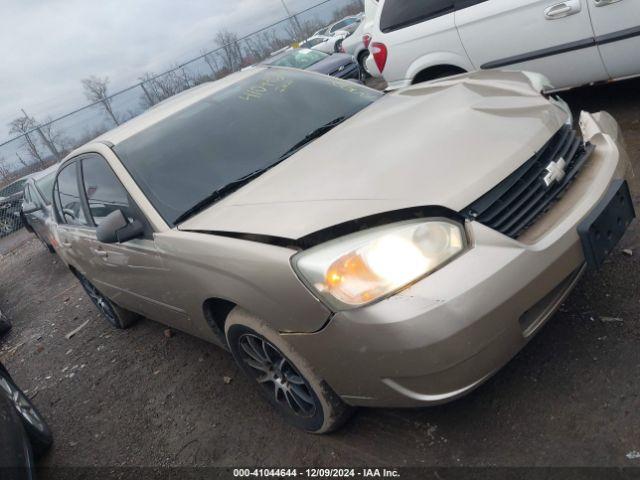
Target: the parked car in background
(10, 201)
(347, 24)
(573, 43)
(323, 43)
(24, 434)
(36, 206)
(354, 45)
(350, 248)
(337, 65)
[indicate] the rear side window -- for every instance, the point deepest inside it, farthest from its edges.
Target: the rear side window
(70, 205)
(105, 193)
(397, 14)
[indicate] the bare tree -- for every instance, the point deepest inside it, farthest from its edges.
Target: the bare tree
(96, 90)
(231, 51)
(55, 137)
(158, 88)
(5, 171)
(213, 62)
(24, 126)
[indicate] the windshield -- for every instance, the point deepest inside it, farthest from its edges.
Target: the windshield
(45, 186)
(300, 58)
(182, 159)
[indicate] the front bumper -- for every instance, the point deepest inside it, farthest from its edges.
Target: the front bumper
(445, 335)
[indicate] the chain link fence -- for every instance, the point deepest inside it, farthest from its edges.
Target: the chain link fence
(43, 144)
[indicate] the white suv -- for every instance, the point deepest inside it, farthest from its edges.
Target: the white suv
(572, 42)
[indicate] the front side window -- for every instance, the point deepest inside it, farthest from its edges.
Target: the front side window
(246, 127)
(398, 14)
(70, 205)
(105, 193)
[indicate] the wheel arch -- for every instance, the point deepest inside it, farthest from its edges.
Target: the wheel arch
(435, 72)
(438, 60)
(216, 311)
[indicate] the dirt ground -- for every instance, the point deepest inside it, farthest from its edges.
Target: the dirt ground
(140, 398)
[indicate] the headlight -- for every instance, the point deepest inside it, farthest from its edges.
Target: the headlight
(360, 268)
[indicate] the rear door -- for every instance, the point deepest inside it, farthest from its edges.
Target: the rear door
(617, 27)
(551, 37)
(132, 273)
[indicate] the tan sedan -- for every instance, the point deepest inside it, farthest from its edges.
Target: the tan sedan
(350, 248)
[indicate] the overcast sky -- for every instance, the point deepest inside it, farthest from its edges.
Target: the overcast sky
(47, 46)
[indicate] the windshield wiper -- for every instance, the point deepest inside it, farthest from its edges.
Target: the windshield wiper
(312, 135)
(231, 187)
(219, 194)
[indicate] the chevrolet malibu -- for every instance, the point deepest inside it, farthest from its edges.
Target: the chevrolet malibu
(349, 248)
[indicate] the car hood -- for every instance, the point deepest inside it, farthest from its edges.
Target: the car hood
(439, 144)
(331, 64)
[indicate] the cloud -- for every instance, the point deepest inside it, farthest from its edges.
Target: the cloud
(49, 46)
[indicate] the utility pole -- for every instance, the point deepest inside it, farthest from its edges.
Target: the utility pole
(295, 19)
(52, 148)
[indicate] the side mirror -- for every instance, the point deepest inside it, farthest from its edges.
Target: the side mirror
(115, 228)
(30, 207)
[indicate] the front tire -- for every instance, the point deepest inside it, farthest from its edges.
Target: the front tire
(283, 377)
(118, 317)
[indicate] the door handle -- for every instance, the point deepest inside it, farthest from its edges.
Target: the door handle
(562, 9)
(65, 244)
(99, 252)
(604, 3)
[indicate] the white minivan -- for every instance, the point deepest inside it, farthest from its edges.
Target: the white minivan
(571, 42)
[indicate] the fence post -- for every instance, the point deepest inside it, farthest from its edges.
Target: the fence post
(146, 92)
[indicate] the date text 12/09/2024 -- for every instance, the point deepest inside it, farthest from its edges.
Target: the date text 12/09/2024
(317, 472)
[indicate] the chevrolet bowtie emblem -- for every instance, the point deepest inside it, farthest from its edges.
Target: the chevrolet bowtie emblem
(555, 172)
(341, 68)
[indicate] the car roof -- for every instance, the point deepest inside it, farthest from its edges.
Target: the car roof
(170, 106)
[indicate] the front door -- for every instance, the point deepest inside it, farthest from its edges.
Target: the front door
(551, 37)
(132, 274)
(617, 27)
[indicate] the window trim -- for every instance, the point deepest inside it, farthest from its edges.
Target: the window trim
(57, 204)
(139, 215)
(55, 196)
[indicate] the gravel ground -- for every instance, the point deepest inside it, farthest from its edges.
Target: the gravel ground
(142, 398)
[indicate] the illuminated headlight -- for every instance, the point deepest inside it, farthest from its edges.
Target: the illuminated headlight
(363, 267)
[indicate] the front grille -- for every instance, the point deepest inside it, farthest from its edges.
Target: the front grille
(519, 200)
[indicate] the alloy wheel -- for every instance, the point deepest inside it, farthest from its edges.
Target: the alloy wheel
(22, 404)
(274, 372)
(100, 301)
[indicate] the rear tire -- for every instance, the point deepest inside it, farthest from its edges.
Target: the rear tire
(283, 377)
(117, 316)
(362, 59)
